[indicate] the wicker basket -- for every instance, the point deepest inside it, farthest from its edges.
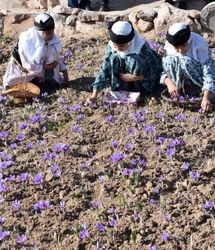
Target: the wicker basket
(23, 90)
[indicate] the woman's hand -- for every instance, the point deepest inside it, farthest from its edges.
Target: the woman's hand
(130, 78)
(206, 101)
(172, 89)
(92, 98)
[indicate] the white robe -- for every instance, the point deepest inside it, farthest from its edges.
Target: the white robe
(34, 53)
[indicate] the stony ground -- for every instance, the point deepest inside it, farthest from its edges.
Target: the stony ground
(76, 177)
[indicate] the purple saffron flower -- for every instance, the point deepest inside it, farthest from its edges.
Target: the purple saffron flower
(30, 145)
(152, 201)
(159, 115)
(112, 222)
(49, 156)
(165, 236)
(132, 131)
(74, 108)
(195, 175)
(180, 117)
(117, 157)
(20, 137)
(80, 117)
(84, 232)
(68, 54)
(4, 235)
(128, 147)
(76, 128)
(62, 205)
(109, 118)
(3, 187)
(160, 140)
(170, 152)
(148, 129)
(127, 172)
(185, 166)
(61, 147)
(139, 117)
(135, 217)
(176, 142)
(54, 167)
(209, 205)
(111, 210)
(16, 205)
(13, 146)
(57, 174)
(36, 118)
(2, 220)
(83, 166)
(101, 228)
(166, 217)
(20, 240)
(42, 205)
(114, 144)
(38, 179)
(153, 247)
(3, 135)
(24, 177)
(2, 99)
(96, 204)
(23, 125)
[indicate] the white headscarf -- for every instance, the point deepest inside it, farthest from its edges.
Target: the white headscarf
(32, 46)
(198, 46)
(135, 45)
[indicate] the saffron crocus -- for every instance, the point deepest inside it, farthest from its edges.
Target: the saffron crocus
(13, 146)
(160, 140)
(24, 177)
(117, 157)
(185, 166)
(149, 129)
(23, 125)
(180, 117)
(80, 117)
(57, 174)
(4, 135)
(127, 172)
(128, 147)
(139, 117)
(49, 156)
(76, 128)
(170, 152)
(62, 205)
(159, 115)
(20, 240)
(61, 147)
(165, 236)
(114, 144)
(109, 118)
(38, 179)
(101, 228)
(132, 131)
(195, 175)
(84, 232)
(4, 235)
(30, 145)
(96, 204)
(112, 222)
(153, 247)
(74, 108)
(2, 220)
(208, 205)
(20, 137)
(42, 205)
(16, 205)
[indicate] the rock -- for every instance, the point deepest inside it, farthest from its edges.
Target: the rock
(86, 28)
(63, 10)
(132, 17)
(207, 17)
(18, 18)
(194, 14)
(162, 18)
(1, 25)
(147, 15)
(3, 12)
(71, 20)
(144, 26)
(90, 16)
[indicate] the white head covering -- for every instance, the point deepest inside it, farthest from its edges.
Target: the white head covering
(124, 28)
(176, 27)
(198, 46)
(42, 17)
(32, 48)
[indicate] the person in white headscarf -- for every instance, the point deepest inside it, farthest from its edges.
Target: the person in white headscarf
(188, 61)
(36, 58)
(129, 63)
